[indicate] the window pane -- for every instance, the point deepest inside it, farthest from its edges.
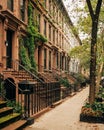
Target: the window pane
(45, 58)
(44, 27)
(22, 9)
(49, 60)
(10, 5)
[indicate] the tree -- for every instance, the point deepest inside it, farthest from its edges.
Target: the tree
(100, 59)
(91, 22)
(94, 13)
(82, 53)
(84, 25)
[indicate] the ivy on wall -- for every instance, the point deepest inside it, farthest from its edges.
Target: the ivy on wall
(24, 56)
(27, 47)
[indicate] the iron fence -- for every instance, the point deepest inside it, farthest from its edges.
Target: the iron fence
(41, 97)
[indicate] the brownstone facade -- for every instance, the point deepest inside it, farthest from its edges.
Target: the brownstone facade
(53, 22)
(11, 27)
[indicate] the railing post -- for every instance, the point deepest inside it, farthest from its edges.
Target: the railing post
(27, 103)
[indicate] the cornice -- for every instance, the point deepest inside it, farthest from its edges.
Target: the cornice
(12, 17)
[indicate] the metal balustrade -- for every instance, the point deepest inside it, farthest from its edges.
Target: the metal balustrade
(37, 97)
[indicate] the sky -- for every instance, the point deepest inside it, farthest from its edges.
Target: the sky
(72, 8)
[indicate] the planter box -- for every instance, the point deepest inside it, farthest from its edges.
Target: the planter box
(91, 119)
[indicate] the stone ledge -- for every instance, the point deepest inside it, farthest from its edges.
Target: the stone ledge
(56, 103)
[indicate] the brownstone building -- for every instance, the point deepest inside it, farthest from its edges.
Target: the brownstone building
(13, 22)
(52, 22)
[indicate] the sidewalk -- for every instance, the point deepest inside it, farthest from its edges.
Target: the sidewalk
(66, 116)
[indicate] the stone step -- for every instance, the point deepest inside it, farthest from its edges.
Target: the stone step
(8, 119)
(18, 125)
(5, 111)
(3, 104)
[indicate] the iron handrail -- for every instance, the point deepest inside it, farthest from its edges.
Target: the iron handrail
(12, 83)
(29, 72)
(3, 96)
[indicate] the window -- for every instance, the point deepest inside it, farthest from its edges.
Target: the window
(57, 59)
(65, 63)
(36, 19)
(62, 22)
(60, 61)
(45, 1)
(56, 15)
(49, 32)
(49, 60)
(60, 40)
(53, 36)
(22, 9)
(62, 43)
(10, 5)
(45, 27)
(57, 38)
(45, 58)
(50, 4)
(38, 22)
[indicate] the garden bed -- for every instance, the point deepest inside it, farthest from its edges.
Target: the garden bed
(94, 113)
(91, 119)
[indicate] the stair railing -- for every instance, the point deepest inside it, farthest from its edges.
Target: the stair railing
(40, 87)
(12, 84)
(17, 65)
(20, 96)
(3, 96)
(42, 75)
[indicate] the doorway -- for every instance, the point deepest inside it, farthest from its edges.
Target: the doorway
(10, 89)
(9, 48)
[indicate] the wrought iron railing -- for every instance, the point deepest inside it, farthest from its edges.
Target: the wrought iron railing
(17, 67)
(41, 96)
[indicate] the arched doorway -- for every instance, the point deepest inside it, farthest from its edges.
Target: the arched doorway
(10, 89)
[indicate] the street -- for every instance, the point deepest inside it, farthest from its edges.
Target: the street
(66, 116)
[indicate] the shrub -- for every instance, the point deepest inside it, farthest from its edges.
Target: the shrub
(90, 112)
(96, 109)
(65, 82)
(16, 106)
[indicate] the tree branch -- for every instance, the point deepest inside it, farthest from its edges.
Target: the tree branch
(98, 7)
(90, 9)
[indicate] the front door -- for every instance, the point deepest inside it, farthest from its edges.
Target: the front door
(9, 49)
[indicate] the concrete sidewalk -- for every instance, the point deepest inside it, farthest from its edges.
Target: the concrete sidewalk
(66, 116)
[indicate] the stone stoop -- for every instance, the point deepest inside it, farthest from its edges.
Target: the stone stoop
(8, 119)
(18, 125)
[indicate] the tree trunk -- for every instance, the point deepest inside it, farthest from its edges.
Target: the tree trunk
(99, 76)
(101, 65)
(93, 62)
(95, 17)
